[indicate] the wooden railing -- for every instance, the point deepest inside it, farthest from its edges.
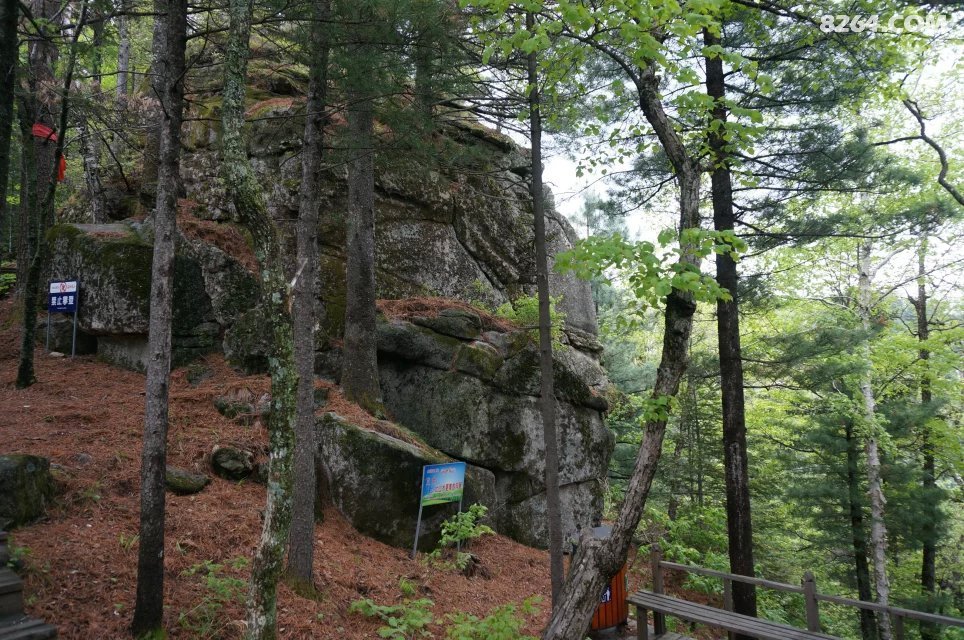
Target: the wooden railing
(807, 589)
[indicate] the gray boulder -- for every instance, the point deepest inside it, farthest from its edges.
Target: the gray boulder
(375, 482)
(231, 463)
(26, 488)
(183, 482)
(114, 269)
(478, 401)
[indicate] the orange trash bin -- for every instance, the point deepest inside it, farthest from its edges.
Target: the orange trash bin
(613, 610)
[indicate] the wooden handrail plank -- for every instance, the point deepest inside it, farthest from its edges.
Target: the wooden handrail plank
(850, 602)
(760, 582)
(739, 623)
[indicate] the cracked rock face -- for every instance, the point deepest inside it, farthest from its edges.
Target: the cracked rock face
(464, 233)
(477, 401)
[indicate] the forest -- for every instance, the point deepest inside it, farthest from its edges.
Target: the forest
(687, 268)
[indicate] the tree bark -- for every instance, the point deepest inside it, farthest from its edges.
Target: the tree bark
(359, 375)
(875, 492)
(170, 30)
(597, 561)
(9, 10)
(123, 78)
(90, 140)
(735, 463)
(244, 189)
(931, 504)
(858, 533)
(305, 304)
(547, 400)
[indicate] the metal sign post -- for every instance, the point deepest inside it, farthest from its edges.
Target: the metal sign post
(64, 297)
(441, 484)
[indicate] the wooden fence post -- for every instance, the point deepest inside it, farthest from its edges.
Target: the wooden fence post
(656, 566)
(899, 627)
(810, 600)
(728, 602)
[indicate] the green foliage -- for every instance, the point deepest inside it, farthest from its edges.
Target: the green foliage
(18, 557)
(502, 623)
(127, 542)
(206, 618)
(7, 283)
(650, 274)
(404, 621)
(458, 531)
(524, 311)
(696, 537)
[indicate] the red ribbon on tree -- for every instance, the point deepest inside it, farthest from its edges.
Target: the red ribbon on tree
(46, 133)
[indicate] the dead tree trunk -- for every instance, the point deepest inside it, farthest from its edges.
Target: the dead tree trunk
(9, 10)
(42, 202)
(90, 139)
(931, 506)
(359, 375)
(858, 534)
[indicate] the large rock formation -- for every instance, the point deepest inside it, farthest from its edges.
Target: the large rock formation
(453, 218)
(113, 265)
(462, 232)
(375, 478)
(477, 400)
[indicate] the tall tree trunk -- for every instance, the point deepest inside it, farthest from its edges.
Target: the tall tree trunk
(123, 79)
(596, 561)
(36, 108)
(305, 303)
(43, 202)
(547, 400)
(858, 533)
(90, 140)
(359, 374)
(735, 463)
(245, 192)
(931, 497)
(875, 492)
(170, 31)
(9, 10)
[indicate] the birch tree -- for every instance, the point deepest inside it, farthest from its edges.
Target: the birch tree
(245, 192)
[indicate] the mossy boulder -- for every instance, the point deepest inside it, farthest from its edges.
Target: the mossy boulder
(457, 323)
(183, 482)
(478, 401)
(113, 264)
(376, 482)
(26, 488)
(114, 274)
(232, 463)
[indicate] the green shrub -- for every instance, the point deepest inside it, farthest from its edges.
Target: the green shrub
(205, 620)
(524, 312)
(404, 621)
(503, 623)
(457, 532)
